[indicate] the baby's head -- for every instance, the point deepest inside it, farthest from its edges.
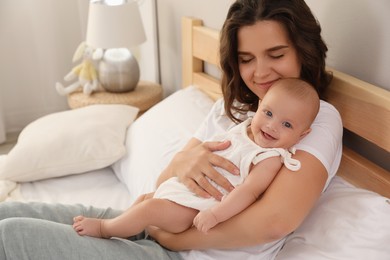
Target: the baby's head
(285, 114)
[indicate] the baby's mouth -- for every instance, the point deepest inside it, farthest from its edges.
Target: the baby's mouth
(268, 136)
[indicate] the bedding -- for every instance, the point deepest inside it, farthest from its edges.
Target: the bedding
(347, 222)
(157, 135)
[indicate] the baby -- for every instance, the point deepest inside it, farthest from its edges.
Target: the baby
(259, 147)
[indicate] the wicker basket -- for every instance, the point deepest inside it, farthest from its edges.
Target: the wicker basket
(144, 96)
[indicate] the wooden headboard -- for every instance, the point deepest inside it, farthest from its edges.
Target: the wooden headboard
(364, 108)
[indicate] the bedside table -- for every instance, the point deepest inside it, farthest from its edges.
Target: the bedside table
(144, 96)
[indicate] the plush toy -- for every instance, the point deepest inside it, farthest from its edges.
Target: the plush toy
(85, 72)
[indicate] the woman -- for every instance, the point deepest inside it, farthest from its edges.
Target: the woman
(261, 42)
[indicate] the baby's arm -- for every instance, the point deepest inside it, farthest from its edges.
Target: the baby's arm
(259, 178)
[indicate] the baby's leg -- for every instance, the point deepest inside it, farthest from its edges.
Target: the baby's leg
(93, 226)
(162, 213)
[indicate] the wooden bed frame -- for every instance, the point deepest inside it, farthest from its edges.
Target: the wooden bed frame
(364, 108)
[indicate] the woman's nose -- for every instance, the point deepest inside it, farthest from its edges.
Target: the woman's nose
(261, 69)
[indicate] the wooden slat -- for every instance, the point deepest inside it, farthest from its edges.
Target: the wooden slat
(210, 85)
(363, 173)
(206, 44)
(190, 64)
(364, 108)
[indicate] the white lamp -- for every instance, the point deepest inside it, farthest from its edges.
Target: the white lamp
(116, 28)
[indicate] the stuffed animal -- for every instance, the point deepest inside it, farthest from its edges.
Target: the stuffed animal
(85, 72)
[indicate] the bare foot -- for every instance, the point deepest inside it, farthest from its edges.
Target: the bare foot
(87, 226)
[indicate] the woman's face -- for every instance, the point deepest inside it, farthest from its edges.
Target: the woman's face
(265, 54)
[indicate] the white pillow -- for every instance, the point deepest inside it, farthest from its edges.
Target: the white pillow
(157, 135)
(347, 223)
(69, 142)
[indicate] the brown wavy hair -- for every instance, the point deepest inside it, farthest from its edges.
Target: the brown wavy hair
(304, 33)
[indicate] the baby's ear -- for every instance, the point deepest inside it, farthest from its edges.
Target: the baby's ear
(305, 133)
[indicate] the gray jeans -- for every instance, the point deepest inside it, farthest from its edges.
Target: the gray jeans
(43, 231)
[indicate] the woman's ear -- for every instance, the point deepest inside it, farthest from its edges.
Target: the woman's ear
(305, 133)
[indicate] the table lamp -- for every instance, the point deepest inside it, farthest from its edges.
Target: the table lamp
(116, 28)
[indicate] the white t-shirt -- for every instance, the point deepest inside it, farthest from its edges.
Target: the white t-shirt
(324, 142)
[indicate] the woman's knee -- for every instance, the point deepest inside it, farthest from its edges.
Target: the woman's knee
(18, 209)
(10, 227)
(7, 209)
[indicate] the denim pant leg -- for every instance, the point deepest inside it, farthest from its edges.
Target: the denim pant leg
(43, 231)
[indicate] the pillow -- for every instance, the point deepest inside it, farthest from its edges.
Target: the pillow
(347, 223)
(69, 142)
(157, 135)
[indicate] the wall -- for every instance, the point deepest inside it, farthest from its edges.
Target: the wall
(31, 57)
(356, 31)
(358, 36)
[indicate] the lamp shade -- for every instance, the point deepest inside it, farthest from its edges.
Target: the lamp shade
(114, 26)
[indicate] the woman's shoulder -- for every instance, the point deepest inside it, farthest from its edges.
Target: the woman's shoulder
(328, 114)
(326, 106)
(219, 110)
(327, 124)
(325, 139)
(219, 106)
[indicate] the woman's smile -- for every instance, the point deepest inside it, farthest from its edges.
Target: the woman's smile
(265, 85)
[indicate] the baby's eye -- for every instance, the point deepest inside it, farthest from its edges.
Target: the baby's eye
(287, 124)
(268, 113)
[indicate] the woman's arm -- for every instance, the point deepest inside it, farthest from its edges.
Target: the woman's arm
(280, 211)
(196, 161)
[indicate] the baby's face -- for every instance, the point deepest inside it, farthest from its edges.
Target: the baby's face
(280, 121)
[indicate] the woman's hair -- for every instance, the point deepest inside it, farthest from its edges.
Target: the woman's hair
(304, 33)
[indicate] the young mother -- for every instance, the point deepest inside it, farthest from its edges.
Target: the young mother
(261, 42)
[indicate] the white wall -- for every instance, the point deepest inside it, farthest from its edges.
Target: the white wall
(358, 36)
(31, 58)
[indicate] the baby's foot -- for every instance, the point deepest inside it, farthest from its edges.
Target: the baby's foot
(87, 226)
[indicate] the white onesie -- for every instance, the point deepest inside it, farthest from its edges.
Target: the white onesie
(242, 152)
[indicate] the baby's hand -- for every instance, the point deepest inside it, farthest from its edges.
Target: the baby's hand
(205, 220)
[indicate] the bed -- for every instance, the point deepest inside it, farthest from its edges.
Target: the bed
(69, 157)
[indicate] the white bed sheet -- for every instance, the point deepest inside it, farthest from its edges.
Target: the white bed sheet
(100, 188)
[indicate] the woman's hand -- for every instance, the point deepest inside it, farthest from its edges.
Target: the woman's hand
(195, 162)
